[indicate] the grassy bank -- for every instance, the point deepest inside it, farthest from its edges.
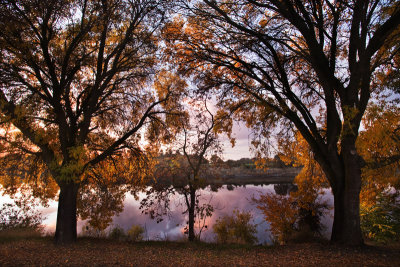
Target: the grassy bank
(103, 252)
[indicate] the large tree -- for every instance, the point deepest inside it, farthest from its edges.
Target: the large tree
(305, 64)
(76, 87)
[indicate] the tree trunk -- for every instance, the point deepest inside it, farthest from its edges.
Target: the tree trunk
(191, 214)
(66, 214)
(346, 224)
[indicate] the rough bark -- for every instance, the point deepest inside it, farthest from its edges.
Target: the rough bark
(346, 225)
(66, 214)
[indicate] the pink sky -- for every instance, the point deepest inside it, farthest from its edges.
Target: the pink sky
(242, 146)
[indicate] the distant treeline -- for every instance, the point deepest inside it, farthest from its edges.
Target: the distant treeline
(244, 163)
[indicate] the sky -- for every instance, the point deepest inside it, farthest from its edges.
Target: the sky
(242, 145)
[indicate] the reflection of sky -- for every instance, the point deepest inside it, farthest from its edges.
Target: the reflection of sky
(224, 202)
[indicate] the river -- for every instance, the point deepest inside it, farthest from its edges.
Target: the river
(224, 201)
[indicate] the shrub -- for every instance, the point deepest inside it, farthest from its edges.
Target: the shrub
(235, 229)
(117, 233)
(295, 218)
(381, 221)
(20, 220)
(281, 214)
(136, 233)
(90, 231)
(19, 215)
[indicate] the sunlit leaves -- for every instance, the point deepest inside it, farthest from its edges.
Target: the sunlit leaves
(303, 208)
(379, 145)
(78, 77)
(280, 213)
(381, 221)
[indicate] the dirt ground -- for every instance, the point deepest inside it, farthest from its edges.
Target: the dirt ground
(98, 252)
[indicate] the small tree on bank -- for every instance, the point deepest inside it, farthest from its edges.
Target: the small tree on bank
(186, 171)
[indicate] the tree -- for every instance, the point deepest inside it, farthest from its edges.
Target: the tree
(187, 169)
(198, 141)
(296, 214)
(281, 214)
(303, 64)
(310, 181)
(75, 87)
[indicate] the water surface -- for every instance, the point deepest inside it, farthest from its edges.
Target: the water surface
(224, 201)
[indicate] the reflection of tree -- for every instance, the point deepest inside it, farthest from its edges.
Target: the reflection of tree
(282, 189)
(230, 187)
(156, 204)
(159, 198)
(309, 182)
(99, 204)
(26, 173)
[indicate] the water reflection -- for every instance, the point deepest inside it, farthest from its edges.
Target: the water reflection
(224, 201)
(284, 189)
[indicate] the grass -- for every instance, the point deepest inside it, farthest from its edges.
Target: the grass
(15, 234)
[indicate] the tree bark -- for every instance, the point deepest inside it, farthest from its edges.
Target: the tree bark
(346, 224)
(66, 215)
(191, 214)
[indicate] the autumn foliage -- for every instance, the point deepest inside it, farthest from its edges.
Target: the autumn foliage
(235, 228)
(90, 90)
(379, 144)
(298, 214)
